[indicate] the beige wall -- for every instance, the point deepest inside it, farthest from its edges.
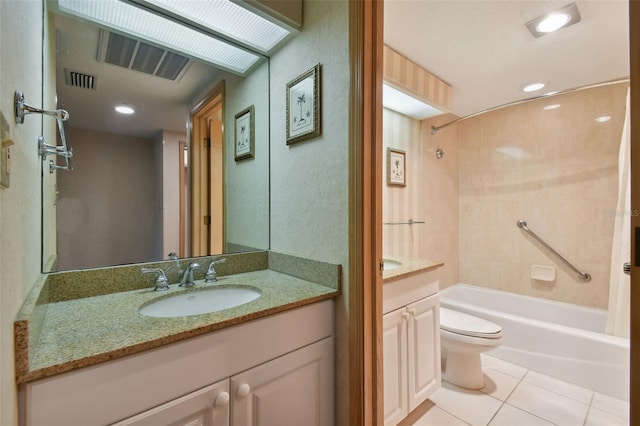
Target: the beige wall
(115, 224)
(20, 205)
(310, 179)
(430, 195)
(565, 187)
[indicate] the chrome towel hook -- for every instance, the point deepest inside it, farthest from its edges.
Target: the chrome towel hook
(21, 108)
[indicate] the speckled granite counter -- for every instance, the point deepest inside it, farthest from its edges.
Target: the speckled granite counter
(60, 336)
(406, 266)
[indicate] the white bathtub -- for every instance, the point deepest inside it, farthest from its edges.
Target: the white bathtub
(559, 339)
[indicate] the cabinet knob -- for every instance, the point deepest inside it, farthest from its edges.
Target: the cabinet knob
(243, 390)
(412, 312)
(405, 315)
(222, 400)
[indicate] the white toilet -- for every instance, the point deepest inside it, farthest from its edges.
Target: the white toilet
(464, 337)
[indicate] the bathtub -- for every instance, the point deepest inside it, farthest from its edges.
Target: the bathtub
(558, 339)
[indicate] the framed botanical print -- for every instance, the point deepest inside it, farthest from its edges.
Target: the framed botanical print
(244, 133)
(396, 167)
(303, 106)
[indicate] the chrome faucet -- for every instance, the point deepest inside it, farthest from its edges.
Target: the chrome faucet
(186, 280)
(162, 283)
(211, 275)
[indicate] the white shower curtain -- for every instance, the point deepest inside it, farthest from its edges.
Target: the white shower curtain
(619, 291)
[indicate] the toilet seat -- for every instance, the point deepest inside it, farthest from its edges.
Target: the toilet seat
(467, 325)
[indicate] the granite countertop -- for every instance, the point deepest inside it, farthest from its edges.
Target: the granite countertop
(407, 267)
(71, 334)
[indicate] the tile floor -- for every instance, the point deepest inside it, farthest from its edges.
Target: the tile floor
(515, 396)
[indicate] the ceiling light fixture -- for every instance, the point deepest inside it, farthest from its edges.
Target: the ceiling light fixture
(156, 29)
(533, 87)
(396, 100)
(124, 109)
(226, 18)
(561, 18)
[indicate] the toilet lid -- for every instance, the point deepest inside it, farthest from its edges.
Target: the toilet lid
(461, 323)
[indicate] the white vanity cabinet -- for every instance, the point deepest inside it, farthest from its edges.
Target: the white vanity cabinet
(411, 346)
(289, 390)
(276, 370)
(205, 407)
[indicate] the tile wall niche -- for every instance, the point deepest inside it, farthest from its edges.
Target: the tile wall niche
(564, 184)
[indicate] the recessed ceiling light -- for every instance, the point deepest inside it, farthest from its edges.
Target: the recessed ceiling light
(561, 18)
(532, 87)
(124, 109)
(553, 22)
(603, 118)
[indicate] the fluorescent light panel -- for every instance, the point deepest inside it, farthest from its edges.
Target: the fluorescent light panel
(144, 25)
(229, 19)
(401, 102)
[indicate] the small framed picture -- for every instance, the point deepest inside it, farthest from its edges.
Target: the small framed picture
(244, 133)
(396, 167)
(303, 106)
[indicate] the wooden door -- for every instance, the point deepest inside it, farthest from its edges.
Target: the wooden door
(207, 166)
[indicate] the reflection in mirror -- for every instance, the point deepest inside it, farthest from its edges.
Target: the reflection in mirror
(131, 194)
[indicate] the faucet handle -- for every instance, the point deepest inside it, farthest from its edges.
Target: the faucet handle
(162, 283)
(211, 275)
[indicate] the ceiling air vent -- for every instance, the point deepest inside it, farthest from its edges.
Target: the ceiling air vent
(81, 80)
(133, 54)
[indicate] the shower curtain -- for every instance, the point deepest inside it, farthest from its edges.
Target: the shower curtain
(619, 291)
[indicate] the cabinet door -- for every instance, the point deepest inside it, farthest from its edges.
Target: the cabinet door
(424, 350)
(394, 343)
(205, 407)
(292, 390)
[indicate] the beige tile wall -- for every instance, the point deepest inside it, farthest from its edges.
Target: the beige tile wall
(565, 186)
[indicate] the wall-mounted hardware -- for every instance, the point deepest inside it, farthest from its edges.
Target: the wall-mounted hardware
(522, 224)
(5, 152)
(409, 222)
(439, 153)
(21, 109)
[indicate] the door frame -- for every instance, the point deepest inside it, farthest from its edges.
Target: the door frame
(204, 185)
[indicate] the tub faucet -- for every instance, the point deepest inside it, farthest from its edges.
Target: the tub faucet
(186, 280)
(212, 275)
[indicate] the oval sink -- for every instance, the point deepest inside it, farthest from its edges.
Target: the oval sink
(203, 301)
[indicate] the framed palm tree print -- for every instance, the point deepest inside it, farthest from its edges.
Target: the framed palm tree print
(303, 106)
(244, 133)
(396, 169)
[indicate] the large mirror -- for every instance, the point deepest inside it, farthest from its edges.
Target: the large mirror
(165, 179)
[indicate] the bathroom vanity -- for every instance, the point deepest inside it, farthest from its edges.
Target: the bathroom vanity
(238, 366)
(411, 339)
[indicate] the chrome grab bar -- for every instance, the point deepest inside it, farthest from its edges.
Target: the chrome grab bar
(522, 224)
